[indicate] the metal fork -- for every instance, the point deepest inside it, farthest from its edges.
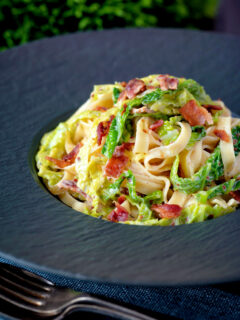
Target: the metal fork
(41, 297)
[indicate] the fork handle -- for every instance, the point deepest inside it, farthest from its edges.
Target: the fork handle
(106, 308)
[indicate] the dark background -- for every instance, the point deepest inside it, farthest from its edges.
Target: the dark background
(22, 21)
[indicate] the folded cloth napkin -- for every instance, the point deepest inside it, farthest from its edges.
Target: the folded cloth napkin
(190, 303)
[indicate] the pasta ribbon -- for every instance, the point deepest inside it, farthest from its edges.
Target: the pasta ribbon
(227, 149)
(155, 151)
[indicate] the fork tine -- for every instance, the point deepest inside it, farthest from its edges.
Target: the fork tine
(39, 278)
(22, 289)
(20, 296)
(9, 283)
(23, 276)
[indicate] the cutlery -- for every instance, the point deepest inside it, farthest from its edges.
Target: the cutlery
(41, 297)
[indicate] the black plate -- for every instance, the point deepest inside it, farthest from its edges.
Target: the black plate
(39, 83)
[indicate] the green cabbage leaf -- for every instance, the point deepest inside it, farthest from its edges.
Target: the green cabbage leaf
(142, 203)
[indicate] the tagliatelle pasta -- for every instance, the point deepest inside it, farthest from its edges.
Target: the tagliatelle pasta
(153, 151)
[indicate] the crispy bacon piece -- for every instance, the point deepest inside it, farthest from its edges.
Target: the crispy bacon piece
(211, 106)
(195, 115)
(141, 110)
(150, 87)
(123, 84)
(168, 211)
(122, 96)
(72, 186)
(124, 191)
(222, 134)
(71, 156)
(99, 108)
(119, 151)
(101, 132)
(156, 125)
(124, 108)
(68, 159)
(69, 185)
(118, 214)
(103, 128)
(133, 87)
(235, 195)
(121, 199)
(58, 162)
(116, 165)
(167, 82)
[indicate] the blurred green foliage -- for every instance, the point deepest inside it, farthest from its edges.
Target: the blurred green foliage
(25, 20)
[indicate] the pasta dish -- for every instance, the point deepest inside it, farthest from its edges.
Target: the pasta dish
(152, 151)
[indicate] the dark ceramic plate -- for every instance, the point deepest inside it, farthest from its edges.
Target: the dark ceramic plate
(39, 83)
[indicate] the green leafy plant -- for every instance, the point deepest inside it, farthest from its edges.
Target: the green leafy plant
(213, 170)
(143, 203)
(25, 20)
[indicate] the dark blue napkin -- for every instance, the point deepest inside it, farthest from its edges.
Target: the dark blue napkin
(189, 303)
